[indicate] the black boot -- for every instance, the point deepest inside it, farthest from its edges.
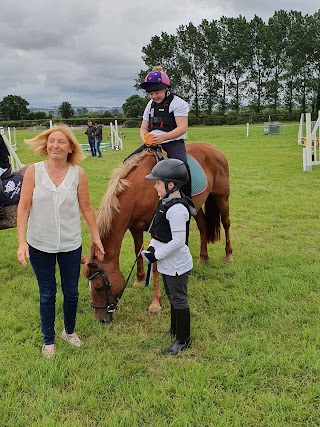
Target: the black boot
(173, 324)
(2, 212)
(182, 341)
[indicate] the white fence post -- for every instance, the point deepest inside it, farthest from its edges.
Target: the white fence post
(300, 132)
(311, 155)
(116, 141)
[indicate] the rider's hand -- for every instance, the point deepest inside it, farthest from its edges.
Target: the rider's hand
(149, 254)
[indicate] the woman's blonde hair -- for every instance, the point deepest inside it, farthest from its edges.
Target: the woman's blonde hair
(38, 144)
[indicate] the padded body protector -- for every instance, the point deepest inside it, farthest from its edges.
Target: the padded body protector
(159, 116)
(160, 229)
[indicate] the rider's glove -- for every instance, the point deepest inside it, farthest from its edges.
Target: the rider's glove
(149, 254)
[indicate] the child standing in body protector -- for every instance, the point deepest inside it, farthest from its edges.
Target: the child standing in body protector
(169, 246)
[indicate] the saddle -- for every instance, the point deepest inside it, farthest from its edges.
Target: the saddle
(199, 180)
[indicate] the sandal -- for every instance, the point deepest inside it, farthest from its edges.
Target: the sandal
(48, 351)
(71, 338)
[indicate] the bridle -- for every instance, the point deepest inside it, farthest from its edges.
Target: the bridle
(110, 306)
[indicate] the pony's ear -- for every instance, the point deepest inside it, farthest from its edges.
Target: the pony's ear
(89, 268)
(93, 266)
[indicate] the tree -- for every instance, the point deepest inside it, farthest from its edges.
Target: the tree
(277, 44)
(13, 107)
(161, 51)
(66, 111)
(257, 69)
(209, 48)
(190, 63)
(313, 22)
(134, 106)
(236, 56)
(37, 115)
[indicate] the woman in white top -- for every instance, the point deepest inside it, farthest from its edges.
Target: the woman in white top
(49, 228)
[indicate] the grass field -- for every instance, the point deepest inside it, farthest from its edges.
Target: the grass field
(255, 358)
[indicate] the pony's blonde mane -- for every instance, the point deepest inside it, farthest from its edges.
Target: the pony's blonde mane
(110, 202)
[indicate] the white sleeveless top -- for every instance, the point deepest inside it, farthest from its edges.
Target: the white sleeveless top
(54, 220)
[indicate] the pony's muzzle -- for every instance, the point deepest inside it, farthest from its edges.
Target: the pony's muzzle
(105, 320)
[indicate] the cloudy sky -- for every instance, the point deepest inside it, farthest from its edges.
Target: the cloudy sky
(88, 53)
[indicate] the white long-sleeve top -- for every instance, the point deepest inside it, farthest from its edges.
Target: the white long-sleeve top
(174, 257)
(54, 220)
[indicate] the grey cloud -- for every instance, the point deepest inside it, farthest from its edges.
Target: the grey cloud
(89, 53)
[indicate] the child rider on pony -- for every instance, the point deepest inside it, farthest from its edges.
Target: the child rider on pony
(169, 246)
(166, 117)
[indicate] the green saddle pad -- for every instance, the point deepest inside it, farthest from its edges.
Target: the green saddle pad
(198, 178)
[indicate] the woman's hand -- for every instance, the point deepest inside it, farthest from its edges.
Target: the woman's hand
(99, 249)
(23, 253)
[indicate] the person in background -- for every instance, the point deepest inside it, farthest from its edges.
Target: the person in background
(53, 193)
(98, 137)
(166, 117)
(169, 246)
(5, 170)
(90, 134)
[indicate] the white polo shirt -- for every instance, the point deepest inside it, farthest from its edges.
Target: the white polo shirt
(178, 106)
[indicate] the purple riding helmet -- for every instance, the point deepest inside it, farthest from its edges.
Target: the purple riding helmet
(155, 80)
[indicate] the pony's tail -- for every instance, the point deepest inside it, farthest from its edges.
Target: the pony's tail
(212, 219)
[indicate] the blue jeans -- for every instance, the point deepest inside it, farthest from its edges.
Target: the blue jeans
(98, 142)
(92, 146)
(44, 267)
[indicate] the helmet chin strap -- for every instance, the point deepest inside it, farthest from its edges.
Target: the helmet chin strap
(175, 188)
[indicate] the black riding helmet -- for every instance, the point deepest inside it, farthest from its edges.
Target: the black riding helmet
(170, 170)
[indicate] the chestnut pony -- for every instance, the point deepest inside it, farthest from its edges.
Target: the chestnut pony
(130, 203)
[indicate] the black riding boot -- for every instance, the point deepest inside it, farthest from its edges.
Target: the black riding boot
(182, 341)
(173, 324)
(2, 212)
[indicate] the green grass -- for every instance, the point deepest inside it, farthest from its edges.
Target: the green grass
(256, 342)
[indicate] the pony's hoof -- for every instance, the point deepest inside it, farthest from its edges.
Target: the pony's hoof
(154, 310)
(138, 284)
(229, 258)
(203, 260)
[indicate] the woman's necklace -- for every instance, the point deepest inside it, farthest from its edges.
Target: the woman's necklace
(57, 176)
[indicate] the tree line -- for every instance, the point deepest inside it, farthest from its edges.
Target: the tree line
(233, 63)
(14, 107)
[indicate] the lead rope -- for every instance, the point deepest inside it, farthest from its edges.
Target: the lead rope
(139, 253)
